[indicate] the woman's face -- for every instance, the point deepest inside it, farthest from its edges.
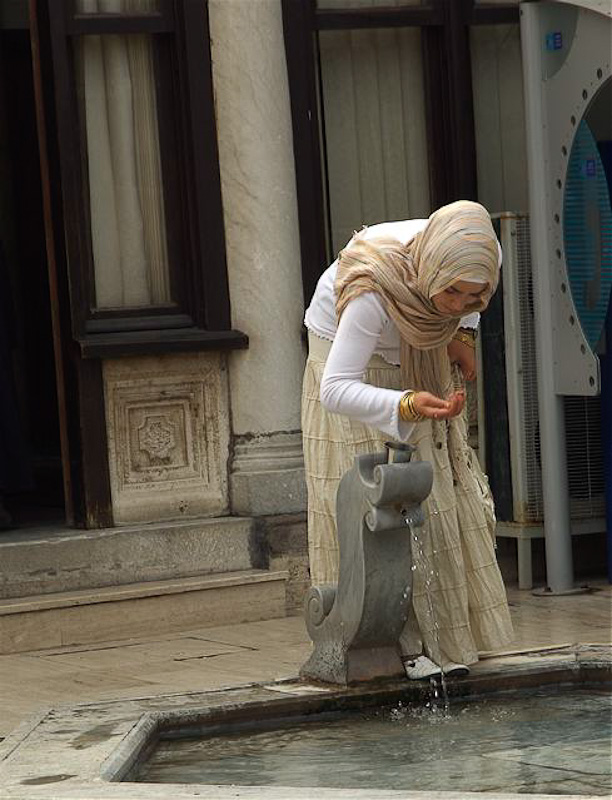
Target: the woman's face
(458, 297)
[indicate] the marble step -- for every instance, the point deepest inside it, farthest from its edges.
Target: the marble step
(59, 559)
(134, 610)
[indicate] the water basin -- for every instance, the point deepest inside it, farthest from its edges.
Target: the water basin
(553, 740)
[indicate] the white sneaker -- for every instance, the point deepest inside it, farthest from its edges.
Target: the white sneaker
(454, 670)
(420, 668)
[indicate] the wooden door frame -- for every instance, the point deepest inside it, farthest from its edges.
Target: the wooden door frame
(80, 385)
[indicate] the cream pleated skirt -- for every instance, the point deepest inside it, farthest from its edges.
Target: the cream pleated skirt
(459, 604)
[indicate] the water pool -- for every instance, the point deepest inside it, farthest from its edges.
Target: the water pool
(539, 741)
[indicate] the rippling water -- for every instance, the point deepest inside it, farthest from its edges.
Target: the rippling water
(540, 742)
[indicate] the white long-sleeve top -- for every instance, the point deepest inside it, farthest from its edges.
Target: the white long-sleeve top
(365, 329)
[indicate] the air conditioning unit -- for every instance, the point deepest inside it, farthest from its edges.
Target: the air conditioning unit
(508, 430)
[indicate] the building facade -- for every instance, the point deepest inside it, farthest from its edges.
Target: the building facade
(178, 173)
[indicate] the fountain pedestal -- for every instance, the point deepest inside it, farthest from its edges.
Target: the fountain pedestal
(355, 624)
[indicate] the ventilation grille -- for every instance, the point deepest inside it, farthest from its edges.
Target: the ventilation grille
(534, 510)
(582, 415)
(585, 457)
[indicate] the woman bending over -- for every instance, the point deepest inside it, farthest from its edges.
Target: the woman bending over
(391, 341)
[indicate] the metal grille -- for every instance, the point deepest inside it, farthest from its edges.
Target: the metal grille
(585, 457)
(582, 415)
(534, 510)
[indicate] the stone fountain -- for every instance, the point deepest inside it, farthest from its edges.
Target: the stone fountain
(355, 624)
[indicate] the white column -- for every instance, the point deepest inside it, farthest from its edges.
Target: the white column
(262, 237)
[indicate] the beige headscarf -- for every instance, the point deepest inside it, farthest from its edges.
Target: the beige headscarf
(458, 243)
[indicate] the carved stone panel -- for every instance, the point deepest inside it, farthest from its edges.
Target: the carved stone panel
(168, 435)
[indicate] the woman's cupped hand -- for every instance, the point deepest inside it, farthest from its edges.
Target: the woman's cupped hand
(432, 407)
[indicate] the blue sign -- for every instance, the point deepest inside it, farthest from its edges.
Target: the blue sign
(587, 233)
(554, 40)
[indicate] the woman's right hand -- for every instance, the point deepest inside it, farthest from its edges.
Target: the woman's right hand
(432, 407)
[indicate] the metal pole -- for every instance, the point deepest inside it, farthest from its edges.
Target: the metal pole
(559, 565)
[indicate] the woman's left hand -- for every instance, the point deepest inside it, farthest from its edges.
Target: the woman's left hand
(465, 356)
(432, 407)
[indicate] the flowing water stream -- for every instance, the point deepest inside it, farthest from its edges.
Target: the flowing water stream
(439, 703)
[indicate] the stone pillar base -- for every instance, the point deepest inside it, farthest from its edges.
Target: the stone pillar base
(267, 475)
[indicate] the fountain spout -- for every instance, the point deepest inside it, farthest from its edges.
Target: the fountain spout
(355, 624)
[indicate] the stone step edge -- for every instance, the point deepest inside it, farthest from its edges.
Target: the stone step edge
(132, 591)
(58, 535)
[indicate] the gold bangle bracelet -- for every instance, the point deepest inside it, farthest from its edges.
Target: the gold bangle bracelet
(465, 338)
(417, 416)
(407, 410)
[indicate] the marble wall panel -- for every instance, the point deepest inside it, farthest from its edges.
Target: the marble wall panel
(168, 436)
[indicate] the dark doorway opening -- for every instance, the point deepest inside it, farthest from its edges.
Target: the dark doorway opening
(31, 482)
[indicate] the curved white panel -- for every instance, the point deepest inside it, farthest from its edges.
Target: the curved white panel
(599, 6)
(570, 60)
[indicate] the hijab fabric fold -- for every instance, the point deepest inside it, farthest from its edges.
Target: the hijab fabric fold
(458, 243)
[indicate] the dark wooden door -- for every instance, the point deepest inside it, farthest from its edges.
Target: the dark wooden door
(32, 461)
